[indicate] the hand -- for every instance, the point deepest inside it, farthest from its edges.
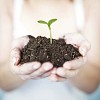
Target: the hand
(71, 68)
(32, 70)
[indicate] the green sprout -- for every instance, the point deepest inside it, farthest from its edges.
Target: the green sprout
(49, 26)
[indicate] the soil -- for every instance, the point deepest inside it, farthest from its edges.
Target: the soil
(40, 49)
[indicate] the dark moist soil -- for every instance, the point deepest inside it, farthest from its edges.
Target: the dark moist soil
(40, 49)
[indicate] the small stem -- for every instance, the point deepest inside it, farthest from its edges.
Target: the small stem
(50, 34)
(50, 37)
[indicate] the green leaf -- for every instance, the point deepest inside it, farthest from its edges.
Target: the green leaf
(42, 22)
(51, 21)
(48, 24)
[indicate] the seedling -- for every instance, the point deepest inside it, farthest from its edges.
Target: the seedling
(51, 21)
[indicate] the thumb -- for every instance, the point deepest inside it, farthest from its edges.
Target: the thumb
(15, 56)
(84, 47)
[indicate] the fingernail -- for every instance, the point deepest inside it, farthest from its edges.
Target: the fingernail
(83, 52)
(53, 79)
(36, 66)
(53, 71)
(47, 67)
(61, 72)
(15, 60)
(67, 65)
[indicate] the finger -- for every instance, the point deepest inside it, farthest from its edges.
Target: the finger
(26, 68)
(45, 75)
(66, 73)
(73, 38)
(54, 71)
(15, 56)
(44, 68)
(75, 64)
(38, 77)
(55, 78)
(41, 76)
(27, 77)
(84, 47)
(20, 42)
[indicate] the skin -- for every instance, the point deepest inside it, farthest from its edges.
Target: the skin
(75, 71)
(8, 81)
(36, 70)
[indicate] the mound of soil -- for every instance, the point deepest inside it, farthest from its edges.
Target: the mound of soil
(40, 49)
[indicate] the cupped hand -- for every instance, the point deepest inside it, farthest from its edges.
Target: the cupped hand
(71, 68)
(31, 70)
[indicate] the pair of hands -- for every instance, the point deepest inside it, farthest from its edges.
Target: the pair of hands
(36, 70)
